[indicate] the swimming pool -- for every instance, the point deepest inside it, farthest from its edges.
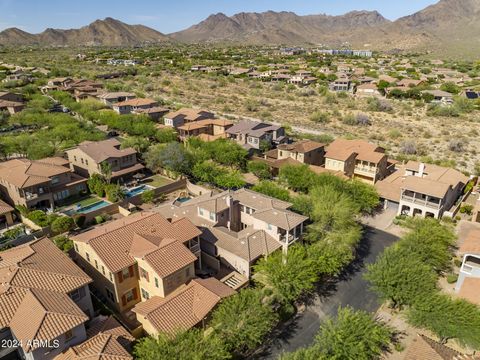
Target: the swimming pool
(88, 208)
(137, 190)
(183, 199)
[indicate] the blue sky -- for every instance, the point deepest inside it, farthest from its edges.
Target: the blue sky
(173, 15)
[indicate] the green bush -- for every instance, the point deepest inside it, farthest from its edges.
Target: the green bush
(148, 196)
(467, 209)
(99, 219)
(79, 220)
(114, 192)
(452, 278)
(63, 242)
(62, 224)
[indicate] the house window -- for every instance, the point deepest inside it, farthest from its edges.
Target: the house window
(75, 295)
(111, 277)
(156, 282)
(69, 335)
(55, 180)
(212, 216)
(103, 270)
(76, 248)
(96, 264)
(129, 295)
(75, 158)
(145, 294)
(86, 162)
(88, 256)
(269, 226)
(110, 295)
(126, 273)
(144, 274)
(200, 211)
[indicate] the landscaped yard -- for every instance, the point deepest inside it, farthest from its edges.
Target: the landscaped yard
(157, 181)
(89, 199)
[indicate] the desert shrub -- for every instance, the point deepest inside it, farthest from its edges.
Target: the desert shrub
(320, 117)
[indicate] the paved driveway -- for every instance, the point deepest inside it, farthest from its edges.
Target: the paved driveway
(349, 289)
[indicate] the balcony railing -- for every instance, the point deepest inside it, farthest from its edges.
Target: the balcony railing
(194, 246)
(366, 170)
(421, 202)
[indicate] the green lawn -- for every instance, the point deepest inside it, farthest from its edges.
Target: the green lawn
(157, 181)
(90, 199)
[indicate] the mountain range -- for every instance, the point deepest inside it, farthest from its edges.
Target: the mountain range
(449, 26)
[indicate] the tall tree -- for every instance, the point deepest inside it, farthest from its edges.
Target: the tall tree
(242, 321)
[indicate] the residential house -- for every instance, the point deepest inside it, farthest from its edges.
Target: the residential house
(38, 183)
(368, 89)
(417, 189)
(184, 116)
(468, 282)
(207, 130)
(155, 113)
(11, 102)
(145, 264)
(440, 97)
(131, 259)
(251, 134)
(106, 340)
(297, 153)
(192, 303)
(342, 83)
(44, 300)
(6, 214)
(89, 157)
(422, 348)
(239, 227)
(132, 105)
(111, 98)
(59, 82)
(357, 159)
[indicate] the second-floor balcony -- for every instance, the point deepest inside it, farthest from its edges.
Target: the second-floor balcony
(365, 170)
(194, 246)
(421, 201)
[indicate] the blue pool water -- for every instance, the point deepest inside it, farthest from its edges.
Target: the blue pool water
(183, 199)
(137, 190)
(88, 208)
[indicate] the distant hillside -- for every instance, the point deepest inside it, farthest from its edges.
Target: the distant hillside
(450, 27)
(107, 32)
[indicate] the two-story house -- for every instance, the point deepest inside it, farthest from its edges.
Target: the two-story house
(207, 130)
(129, 106)
(251, 134)
(239, 227)
(111, 98)
(468, 282)
(11, 102)
(357, 159)
(89, 157)
(140, 262)
(185, 116)
(418, 189)
(38, 183)
(44, 301)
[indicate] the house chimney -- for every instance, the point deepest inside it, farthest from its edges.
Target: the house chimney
(421, 170)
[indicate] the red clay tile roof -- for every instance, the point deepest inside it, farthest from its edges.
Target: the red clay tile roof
(424, 348)
(184, 308)
(113, 242)
(107, 340)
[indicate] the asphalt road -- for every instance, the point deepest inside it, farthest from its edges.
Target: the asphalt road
(348, 289)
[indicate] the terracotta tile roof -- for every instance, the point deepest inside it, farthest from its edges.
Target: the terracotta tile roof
(471, 243)
(342, 149)
(113, 242)
(248, 244)
(44, 315)
(424, 348)
(425, 186)
(470, 290)
(438, 173)
(41, 265)
(302, 146)
(5, 208)
(259, 201)
(24, 173)
(170, 258)
(114, 95)
(283, 219)
(185, 307)
(189, 114)
(136, 102)
(107, 340)
(102, 150)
